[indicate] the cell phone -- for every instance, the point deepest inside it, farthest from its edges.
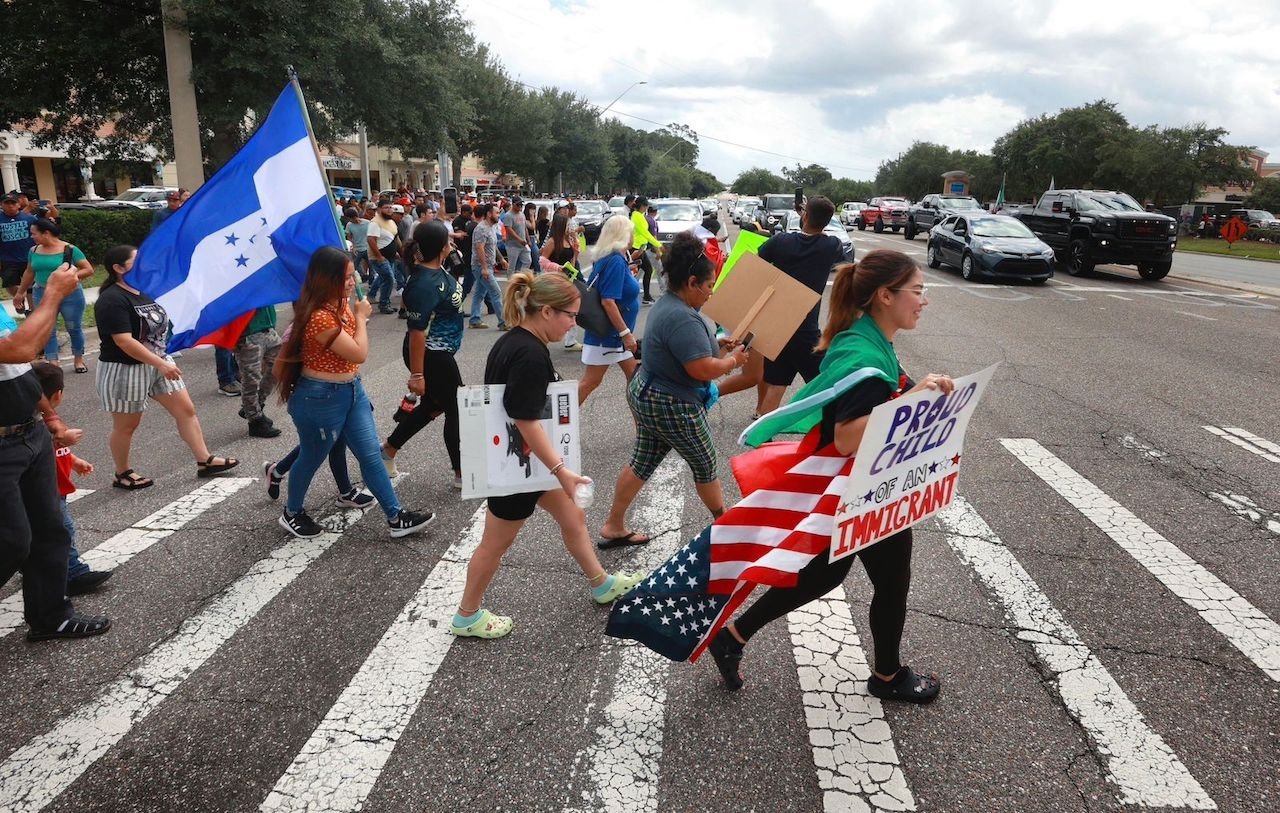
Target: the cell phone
(799, 198)
(747, 340)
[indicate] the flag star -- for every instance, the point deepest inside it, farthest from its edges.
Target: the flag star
(671, 582)
(666, 621)
(679, 613)
(693, 582)
(231, 239)
(646, 610)
(625, 608)
(242, 261)
(671, 602)
(264, 220)
(684, 629)
(252, 237)
(681, 570)
(653, 582)
(693, 557)
(662, 569)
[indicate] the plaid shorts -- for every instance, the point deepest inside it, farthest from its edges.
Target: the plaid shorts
(663, 423)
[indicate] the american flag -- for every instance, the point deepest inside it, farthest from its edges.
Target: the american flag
(765, 539)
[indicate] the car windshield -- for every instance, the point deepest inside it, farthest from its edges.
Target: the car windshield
(894, 202)
(1261, 214)
(679, 211)
(779, 203)
(959, 203)
(137, 195)
(1107, 202)
(590, 207)
(999, 227)
(615, 202)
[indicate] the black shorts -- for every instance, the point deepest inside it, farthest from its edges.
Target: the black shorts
(797, 357)
(515, 507)
(11, 274)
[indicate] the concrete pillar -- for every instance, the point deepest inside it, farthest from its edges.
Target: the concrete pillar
(182, 96)
(8, 172)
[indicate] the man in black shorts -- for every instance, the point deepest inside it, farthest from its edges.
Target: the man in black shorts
(808, 257)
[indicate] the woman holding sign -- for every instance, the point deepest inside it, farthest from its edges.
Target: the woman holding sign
(540, 310)
(870, 302)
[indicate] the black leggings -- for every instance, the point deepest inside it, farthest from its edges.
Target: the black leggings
(440, 370)
(888, 565)
(647, 265)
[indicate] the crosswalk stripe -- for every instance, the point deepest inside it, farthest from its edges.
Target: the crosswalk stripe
(1247, 509)
(1138, 761)
(1247, 628)
(340, 763)
(79, 494)
(622, 761)
(38, 772)
(853, 748)
(133, 540)
(1247, 440)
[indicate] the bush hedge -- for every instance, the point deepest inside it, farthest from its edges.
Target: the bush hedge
(1270, 235)
(96, 231)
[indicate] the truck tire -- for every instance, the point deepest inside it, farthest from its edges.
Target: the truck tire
(879, 227)
(1154, 271)
(862, 224)
(1079, 260)
(910, 231)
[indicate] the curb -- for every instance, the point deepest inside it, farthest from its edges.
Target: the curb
(1230, 285)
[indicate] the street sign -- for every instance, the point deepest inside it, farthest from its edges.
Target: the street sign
(1233, 230)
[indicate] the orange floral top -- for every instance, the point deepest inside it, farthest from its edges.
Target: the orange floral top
(315, 355)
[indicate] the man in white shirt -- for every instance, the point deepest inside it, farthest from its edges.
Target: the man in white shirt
(384, 246)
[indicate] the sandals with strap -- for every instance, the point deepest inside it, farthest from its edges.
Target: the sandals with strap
(487, 625)
(77, 626)
(208, 468)
(906, 686)
(130, 480)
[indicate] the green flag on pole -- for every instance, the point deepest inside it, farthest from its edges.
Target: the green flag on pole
(1000, 195)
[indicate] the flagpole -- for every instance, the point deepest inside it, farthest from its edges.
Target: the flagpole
(315, 149)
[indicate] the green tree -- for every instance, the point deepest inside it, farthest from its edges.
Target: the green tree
(1265, 195)
(839, 190)
(810, 177)
(703, 184)
(677, 141)
(631, 155)
(916, 172)
(1067, 148)
(758, 181)
(668, 178)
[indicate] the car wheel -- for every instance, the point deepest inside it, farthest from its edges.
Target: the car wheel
(1079, 263)
(931, 258)
(879, 227)
(968, 270)
(1154, 271)
(910, 231)
(862, 225)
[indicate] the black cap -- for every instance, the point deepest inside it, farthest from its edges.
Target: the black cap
(10, 197)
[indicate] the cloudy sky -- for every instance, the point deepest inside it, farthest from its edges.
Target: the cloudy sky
(847, 84)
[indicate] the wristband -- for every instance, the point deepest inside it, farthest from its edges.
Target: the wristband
(413, 376)
(625, 332)
(556, 468)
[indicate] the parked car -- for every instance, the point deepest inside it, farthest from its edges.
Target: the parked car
(773, 209)
(745, 207)
(1256, 218)
(591, 217)
(884, 213)
(709, 206)
(138, 197)
(343, 192)
(618, 205)
(983, 245)
(849, 212)
(835, 228)
(1090, 226)
(933, 209)
(674, 216)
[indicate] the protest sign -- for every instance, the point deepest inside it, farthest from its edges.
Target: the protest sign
(762, 300)
(907, 464)
(748, 242)
(495, 458)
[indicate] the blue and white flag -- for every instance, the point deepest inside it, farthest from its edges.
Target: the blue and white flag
(244, 239)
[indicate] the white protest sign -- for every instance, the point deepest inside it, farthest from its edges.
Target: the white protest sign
(495, 458)
(907, 464)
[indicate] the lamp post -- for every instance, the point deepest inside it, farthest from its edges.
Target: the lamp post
(605, 109)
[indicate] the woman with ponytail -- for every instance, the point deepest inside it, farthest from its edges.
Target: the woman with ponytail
(870, 302)
(539, 309)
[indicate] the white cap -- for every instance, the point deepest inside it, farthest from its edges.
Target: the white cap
(397, 209)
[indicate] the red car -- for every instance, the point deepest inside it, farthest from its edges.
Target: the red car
(884, 212)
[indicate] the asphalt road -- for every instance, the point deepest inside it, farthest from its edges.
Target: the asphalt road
(1101, 607)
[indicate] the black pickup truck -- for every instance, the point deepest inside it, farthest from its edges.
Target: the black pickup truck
(1087, 227)
(933, 209)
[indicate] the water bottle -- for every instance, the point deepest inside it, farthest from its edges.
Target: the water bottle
(407, 405)
(585, 494)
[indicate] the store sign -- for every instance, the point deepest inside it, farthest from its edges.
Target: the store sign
(338, 162)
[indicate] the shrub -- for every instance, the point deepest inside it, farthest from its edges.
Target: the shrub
(95, 231)
(1270, 235)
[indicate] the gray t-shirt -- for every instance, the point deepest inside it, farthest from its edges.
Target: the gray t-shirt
(674, 335)
(487, 236)
(516, 223)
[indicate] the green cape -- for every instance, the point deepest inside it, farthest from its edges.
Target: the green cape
(859, 353)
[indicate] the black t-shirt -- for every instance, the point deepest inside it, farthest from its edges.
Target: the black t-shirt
(858, 401)
(18, 395)
(522, 362)
(807, 258)
(464, 224)
(121, 311)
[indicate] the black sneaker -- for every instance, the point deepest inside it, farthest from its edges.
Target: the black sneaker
(410, 522)
(77, 626)
(273, 480)
(87, 582)
(300, 525)
(260, 426)
(727, 653)
(355, 498)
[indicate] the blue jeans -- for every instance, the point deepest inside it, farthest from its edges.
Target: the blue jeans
(324, 412)
(482, 290)
(383, 281)
(361, 261)
(227, 367)
(337, 466)
(75, 566)
(72, 311)
(399, 272)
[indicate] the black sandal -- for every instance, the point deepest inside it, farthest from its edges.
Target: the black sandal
(727, 653)
(208, 468)
(130, 480)
(906, 686)
(77, 626)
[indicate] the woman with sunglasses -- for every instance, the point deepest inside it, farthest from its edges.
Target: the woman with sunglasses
(871, 301)
(539, 309)
(672, 392)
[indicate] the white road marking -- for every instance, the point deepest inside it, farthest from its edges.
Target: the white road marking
(339, 765)
(123, 546)
(1148, 451)
(1246, 508)
(38, 772)
(1117, 296)
(1197, 316)
(619, 767)
(1137, 759)
(79, 494)
(1247, 440)
(1247, 628)
(853, 750)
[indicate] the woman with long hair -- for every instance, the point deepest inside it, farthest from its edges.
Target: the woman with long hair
(559, 250)
(48, 255)
(433, 301)
(871, 302)
(319, 374)
(134, 367)
(620, 297)
(539, 309)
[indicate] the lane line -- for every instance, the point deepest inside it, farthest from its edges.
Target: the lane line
(1197, 316)
(1123, 298)
(1247, 509)
(619, 768)
(1246, 627)
(38, 772)
(1247, 441)
(133, 540)
(340, 763)
(853, 750)
(1148, 451)
(1138, 761)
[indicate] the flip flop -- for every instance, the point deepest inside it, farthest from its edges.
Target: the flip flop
(82, 369)
(629, 539)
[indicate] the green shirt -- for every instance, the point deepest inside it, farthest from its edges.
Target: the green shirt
(263, 319)
(45, 264)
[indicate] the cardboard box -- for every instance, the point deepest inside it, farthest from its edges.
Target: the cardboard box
(760, 299)
(495, 459)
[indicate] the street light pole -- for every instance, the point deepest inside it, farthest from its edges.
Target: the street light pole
(605, 109)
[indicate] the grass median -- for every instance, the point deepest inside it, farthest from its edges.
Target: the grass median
(1245, 250)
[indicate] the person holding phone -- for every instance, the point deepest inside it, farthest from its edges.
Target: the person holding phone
(48, 254)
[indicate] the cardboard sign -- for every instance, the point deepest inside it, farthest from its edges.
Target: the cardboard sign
(907, 464)
(762, 300)
(495, 458)
(748, 243)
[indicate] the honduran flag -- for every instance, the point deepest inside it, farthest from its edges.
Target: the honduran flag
(244, 239)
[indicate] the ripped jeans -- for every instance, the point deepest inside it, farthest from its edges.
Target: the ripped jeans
(323, 412)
